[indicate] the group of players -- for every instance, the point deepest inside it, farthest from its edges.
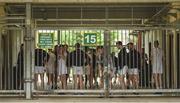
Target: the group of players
(90, 63)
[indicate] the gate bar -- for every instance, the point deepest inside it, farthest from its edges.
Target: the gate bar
(146, 91)
(106, 27)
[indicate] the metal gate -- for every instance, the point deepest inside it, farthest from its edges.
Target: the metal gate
(11, 62)
(101, 73)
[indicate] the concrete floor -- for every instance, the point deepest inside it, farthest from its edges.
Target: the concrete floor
(93, 100)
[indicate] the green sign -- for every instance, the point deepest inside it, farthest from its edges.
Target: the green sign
(90, 38)
(46, 40)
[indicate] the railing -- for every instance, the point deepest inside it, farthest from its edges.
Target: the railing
(98, 70)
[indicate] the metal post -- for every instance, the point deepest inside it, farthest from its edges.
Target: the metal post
(1, 51)
(27, 53)
(106, 60)
(167, 61)
(175, 58)
(32, 55)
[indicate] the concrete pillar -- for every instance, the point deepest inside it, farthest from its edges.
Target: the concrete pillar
(27, 55)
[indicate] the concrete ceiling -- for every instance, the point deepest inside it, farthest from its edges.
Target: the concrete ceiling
(127, 13)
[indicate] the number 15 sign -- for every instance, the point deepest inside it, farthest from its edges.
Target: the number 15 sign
(90, 38)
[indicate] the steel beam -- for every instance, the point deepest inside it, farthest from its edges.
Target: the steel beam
(107, 19)
(101, 26)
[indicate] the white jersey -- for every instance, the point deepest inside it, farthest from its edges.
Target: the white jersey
(51, 63)
(157, 56)
(62, 68)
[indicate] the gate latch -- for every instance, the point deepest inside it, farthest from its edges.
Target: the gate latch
(26, 38)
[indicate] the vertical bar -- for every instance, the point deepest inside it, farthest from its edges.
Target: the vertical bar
(28, 78)
(149, 65)
(86, 78)
(175, 58)
(161, 45)
(164, 56)
(142, 58)
(152, 47)
(167, 60)
(33, 46)
(8, 60)
(145, 60)
(139, 50)
(111, 67)
(178, 42)
(17, 60)
(15, 74)
(58, 36)
(18, 52)
(124, 39)
(1, 59)
(36, 57)
(69, 61)
(179, 59)
(106, 60)
(11, 74)
(82, 76)
(112, 46)
(8, 66)
(101, 38)
(23, 72)
(171, 60)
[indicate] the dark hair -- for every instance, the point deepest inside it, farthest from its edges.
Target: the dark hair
(130, 43)
(61, 45)
(77, 45)
(157, 42)
(49, 49)
(55, 46)
(99, 47)
(65, 45)
(94, 50)
(119, 43)
(21, 47)
(86, 48)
